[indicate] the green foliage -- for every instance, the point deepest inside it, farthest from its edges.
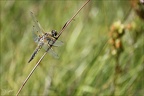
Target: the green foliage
(85, 66)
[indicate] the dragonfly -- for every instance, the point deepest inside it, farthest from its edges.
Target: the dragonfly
(44, 39)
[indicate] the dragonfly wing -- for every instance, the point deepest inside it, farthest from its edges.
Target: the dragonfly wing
(50, 40)
(36, 34)
(38, 30)
(58, 43)
(51, 51)
(45, 46)
(37, 24)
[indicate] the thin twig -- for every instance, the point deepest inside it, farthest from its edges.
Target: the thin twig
(31, 73)
(66, 24)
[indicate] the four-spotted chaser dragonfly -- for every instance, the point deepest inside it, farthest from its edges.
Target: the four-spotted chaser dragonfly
(44, 39)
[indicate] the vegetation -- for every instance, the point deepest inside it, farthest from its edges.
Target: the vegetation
(102, 53)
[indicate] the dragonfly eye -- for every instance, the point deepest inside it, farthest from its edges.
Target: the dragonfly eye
(54, 33)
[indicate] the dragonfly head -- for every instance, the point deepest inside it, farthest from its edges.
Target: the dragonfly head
(54, 33)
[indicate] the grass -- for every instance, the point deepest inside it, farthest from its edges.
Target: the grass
(86, 66)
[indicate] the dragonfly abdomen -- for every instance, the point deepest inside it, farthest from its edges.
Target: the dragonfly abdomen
(35, 52)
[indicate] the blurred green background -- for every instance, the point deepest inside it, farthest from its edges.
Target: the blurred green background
(86, 66)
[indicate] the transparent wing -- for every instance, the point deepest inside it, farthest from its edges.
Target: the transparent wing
(51, 51)
(36, 34)
(58, 43)
(37, 25)
(37, 29)
(50, 40)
